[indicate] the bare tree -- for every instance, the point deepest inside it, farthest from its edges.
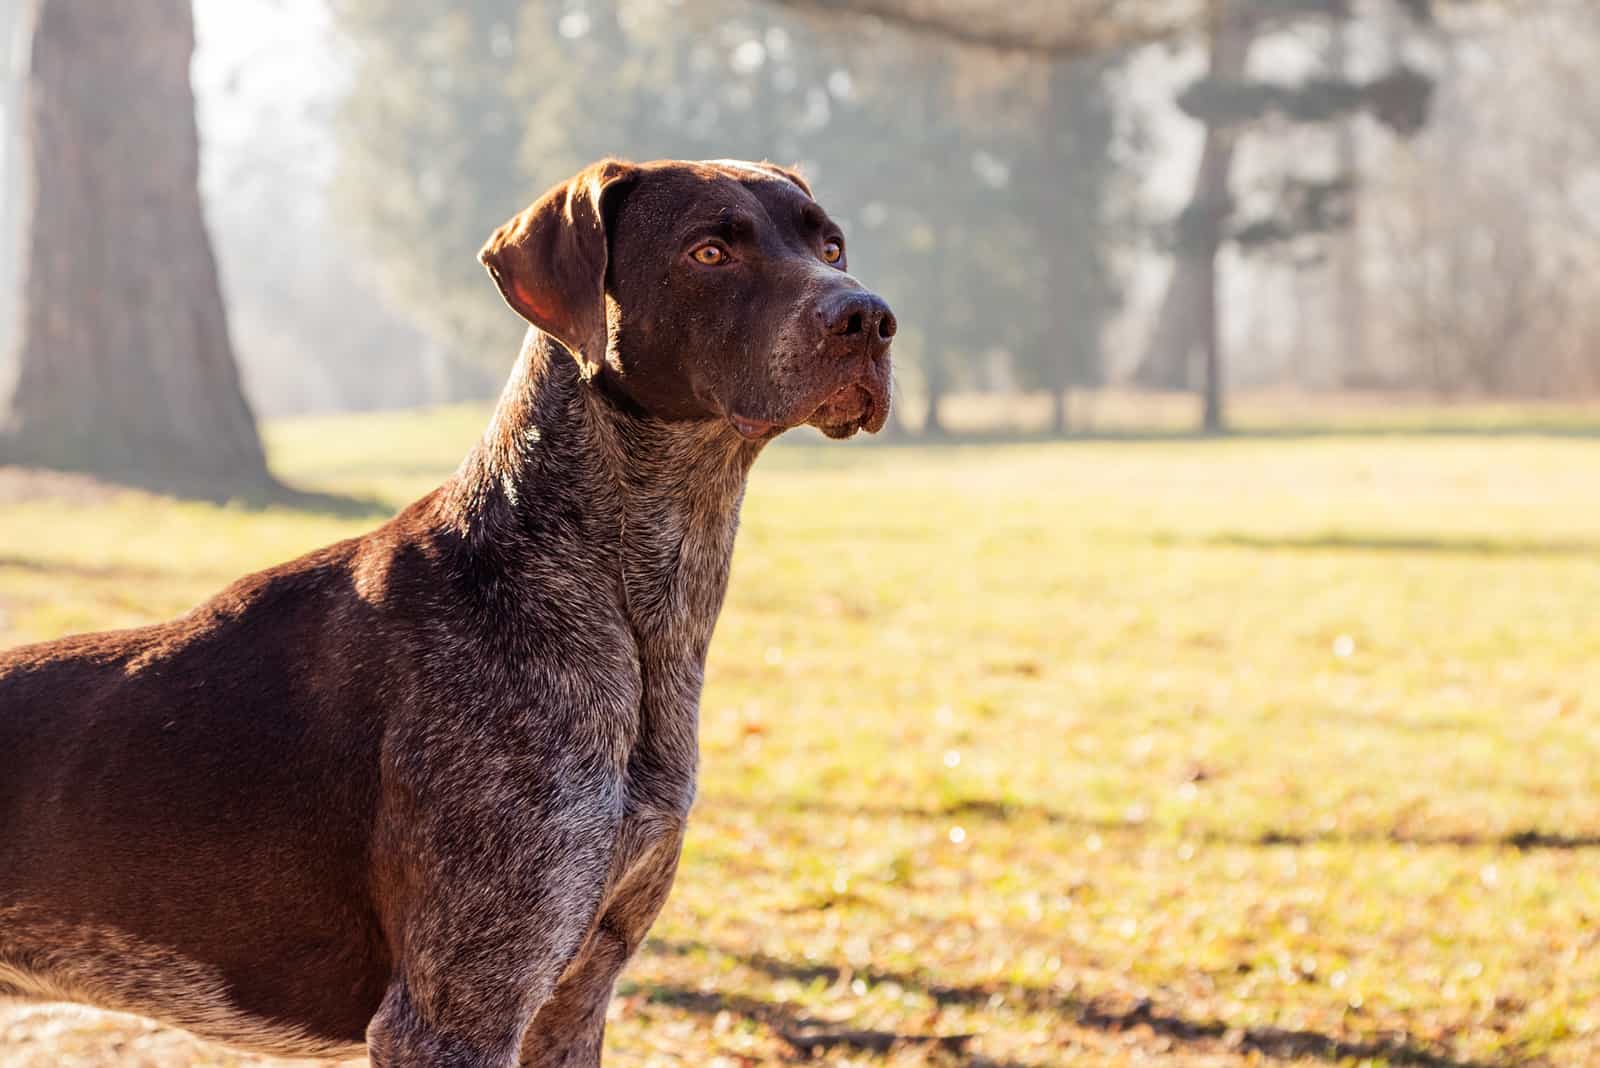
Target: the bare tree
(11, 36)
(124, 365)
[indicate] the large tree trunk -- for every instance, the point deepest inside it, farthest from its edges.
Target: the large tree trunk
(11, 31)
(124, 364)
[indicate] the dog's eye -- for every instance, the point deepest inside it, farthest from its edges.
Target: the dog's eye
(710, 255)
(832, 251)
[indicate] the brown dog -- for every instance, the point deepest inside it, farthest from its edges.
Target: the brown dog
(422, 792)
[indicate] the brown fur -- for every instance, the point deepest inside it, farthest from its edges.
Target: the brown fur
(424, 790)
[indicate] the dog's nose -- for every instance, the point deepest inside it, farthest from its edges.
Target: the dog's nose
(858, 314)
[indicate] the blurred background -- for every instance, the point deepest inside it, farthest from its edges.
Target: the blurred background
(1086, 218)
(1202, 667)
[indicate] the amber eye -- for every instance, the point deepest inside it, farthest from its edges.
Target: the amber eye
(832, 251)
(710, 255)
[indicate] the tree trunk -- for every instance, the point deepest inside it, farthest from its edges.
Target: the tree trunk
(1181, 321)
(1059, 353)
(1211, 418)
(1350, 312)
(1230, 47)
(935, 369)
(932, 422)
(894, 429)
(124, 364)
(11, 33)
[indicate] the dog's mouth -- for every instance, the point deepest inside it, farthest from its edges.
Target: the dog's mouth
(849, 409)
(859, 404)
(752, 429)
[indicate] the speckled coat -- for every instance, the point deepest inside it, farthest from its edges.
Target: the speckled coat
(421, 793)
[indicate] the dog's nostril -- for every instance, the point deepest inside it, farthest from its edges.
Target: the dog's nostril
(858, 315)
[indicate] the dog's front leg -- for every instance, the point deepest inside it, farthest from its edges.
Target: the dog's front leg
(500, 899)
(570, 1028)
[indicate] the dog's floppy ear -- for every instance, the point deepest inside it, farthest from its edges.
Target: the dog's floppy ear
(789, 173)
(768, 167)
(550, 262)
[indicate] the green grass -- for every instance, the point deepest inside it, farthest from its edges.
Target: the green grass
(1258, 750)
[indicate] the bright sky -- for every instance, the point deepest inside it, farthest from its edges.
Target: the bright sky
(262, 68)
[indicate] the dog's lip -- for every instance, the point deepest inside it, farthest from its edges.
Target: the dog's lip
(851, 392)
(749, 428)
(866, 419)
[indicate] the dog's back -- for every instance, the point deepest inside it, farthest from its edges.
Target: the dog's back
(180, 821)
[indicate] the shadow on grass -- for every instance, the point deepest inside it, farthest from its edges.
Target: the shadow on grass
(805, 1035)
(334, 505)
(1310, 431)
(975, 808)
(1334, 541)
(13, 562)
(1527, 839)
(1096, 1014)
(75, 486)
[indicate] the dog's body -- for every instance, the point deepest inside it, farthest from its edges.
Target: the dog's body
(422, 793)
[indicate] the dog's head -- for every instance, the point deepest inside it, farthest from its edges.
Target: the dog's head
(713, 290)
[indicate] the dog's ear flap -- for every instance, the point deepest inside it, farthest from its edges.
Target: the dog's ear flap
(789, 173)
(550, 262)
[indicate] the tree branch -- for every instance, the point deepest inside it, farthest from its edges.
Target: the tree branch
(1061, 28)
(1067, 28)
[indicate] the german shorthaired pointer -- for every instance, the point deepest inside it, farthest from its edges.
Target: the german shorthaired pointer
(420, 794)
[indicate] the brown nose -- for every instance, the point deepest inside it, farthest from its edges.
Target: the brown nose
(858, 314)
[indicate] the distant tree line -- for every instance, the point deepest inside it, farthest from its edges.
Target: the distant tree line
(989, 188)
(978, 187)
(983, 155)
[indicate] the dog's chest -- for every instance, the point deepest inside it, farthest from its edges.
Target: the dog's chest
(676, 581)
(659, 787)
(662, 766)
(676, 577)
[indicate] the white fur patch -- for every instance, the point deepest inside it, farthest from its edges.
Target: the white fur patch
(111, 970)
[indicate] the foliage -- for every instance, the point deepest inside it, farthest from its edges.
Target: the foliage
(1068, 181)
(432, 166)
(458, 117)
(1307, 206)
(1399, 99)
(1258, 750)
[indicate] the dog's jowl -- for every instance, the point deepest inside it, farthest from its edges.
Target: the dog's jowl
(420, 794)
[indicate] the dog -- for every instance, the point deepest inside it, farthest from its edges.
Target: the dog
(420, 794)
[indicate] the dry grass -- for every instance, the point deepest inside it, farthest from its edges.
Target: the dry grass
(1097, 753)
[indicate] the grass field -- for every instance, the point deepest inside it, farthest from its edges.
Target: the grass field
(1267, 750)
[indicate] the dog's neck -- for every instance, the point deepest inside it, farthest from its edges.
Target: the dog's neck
(651, 506)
